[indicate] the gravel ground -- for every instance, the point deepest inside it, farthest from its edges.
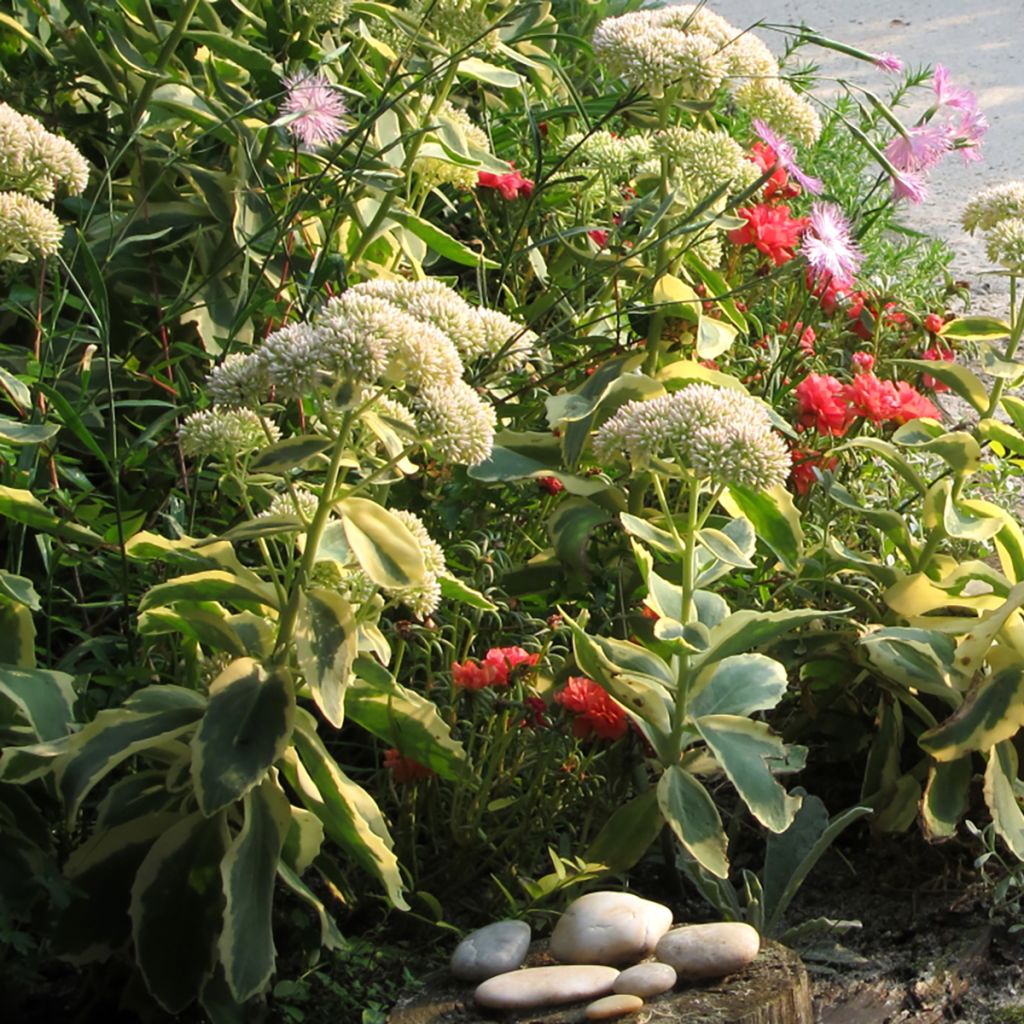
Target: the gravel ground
(981, 43)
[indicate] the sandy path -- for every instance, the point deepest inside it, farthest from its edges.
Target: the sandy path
(982, 44)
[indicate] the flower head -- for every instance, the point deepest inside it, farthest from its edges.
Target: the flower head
(886, 61)
(909, 185)
(828, 245)
(771, 229)
(936, 354)
(1004, 244)
(821, 404)
(786, 156)
(781, 108)
(423, 598)
(405, 769)
(596, 713)
(949, 95)
(225, 433)
(456, 422)
(994, 204)
(27, 228)
(510, 185)
(241, 380)
(920, 149)
(314, 109)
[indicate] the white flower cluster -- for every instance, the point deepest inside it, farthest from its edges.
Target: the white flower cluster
(424, 598)
(225, 433)
(781, 108)
(458, 24)
(433, 170)
(326, 12)
(33, 164)
(702, 161)
(720, 434)
(998, 212)
(686, 48)
(414, 336)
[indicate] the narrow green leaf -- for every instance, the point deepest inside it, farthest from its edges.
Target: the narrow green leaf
(246, 728)
(16, 432)
(330, 937)
(23, 507)
(289, 454)
(453, 589)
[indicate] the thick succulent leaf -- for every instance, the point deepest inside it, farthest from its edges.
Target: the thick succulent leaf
(246, 728)
(248, 871)
(690, 812)
(95, 922)
(329, 934)
(1001, 783)
(211, 585)
(384, 546)
(972, 649)
(350, 815)
(176, 907)
(326, 645)
(304, 840)
(743, 630)
(748, 751)
(739, 685)
(914, 657)
(775, 519)
(17, 636)
(403, 718)
(991, 713)
(44, 699)
(945, 798)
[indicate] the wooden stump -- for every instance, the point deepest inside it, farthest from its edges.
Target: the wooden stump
(774, 989)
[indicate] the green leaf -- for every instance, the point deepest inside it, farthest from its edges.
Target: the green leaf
(973, 648)
(20, 589)
(23, 507)
(489, 74)
(945, 798)
(918, 658)
(95, 922)
(739, 685)
(1014, 408)
(441, 242)
(746, 629)
(110, 739)
(326, 644)
(1001, 784)
(975, 328)
(453, 589)
(714, 337)
(676, 298)
(246, 728)
(659, 539)
(16, 389)
(265, 526)
(723, 547)
(963, 519)
(960, 449)
(996, 430)
(384, 546)
(775, 518)
(330, 937)
(16, 432)
(628, 834)
(892, 456)
(404, 719)
(990, 714)
(248, 870)
(45, 699)
(205, 622)
(176, 905)
(351, 817)
(747, 751)
(212, 585)
(304, 840)
(234, 48)
(691, 814)
(955, 376)
(685, 371)
(570, 527)
(17, 636)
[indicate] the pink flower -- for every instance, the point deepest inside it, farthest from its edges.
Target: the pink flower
(805, 462)
(863, 362)
(910, 186)
(828, 246)
(872, 398)
(505, 659)
(886, 61)
(596, 713)
(786, 156)
(821, 404)
(510, 185)
(314, 109)
(912, 405)
(920, 149)
(771, 229)
(966, 134)
(936, 354)
(949, 95)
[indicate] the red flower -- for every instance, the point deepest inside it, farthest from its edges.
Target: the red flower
(802, 475)
(495, 670)
(933, 323)
(551, 484)
(936, 354)
(596, 713)
(828, 291)
(805, 336)
(600, 236)
(863, 362)
(822, 405)
(405, 769)
(872, 398)
(536, 717)
(771, 229)
(778, 186)
(510, 185)
(471, 676)
(912, 405)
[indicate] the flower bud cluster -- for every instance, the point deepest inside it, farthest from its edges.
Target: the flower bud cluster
(225, 433)
(433, 170)
(718, 433)
(33, 164)
(998, 212)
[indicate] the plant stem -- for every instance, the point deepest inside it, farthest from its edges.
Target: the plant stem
(1016, 329)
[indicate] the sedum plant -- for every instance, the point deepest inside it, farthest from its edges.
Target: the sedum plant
(278, 621)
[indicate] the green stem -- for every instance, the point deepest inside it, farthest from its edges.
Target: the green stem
(313, 535)
(166, 52)
(657, 325)
(1016, 329)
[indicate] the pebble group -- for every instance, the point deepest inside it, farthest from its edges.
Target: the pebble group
(604, 943)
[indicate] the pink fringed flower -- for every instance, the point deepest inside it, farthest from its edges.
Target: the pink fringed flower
(920, 149)
(888, 62)
(786, 156)
(314, 108)
(828, 245)
(911, 186)
(949, 95)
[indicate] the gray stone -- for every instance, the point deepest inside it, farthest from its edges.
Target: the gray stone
(611, 1007)
(609, 928)
(545, 986)
(709, 950)
(494, 949)
(650, 979)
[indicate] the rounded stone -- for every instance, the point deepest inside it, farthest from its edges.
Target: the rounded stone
(545, 986)
(609, 928)
(650, 979)
(699, 951)
(494, 949)
(611, 1007)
